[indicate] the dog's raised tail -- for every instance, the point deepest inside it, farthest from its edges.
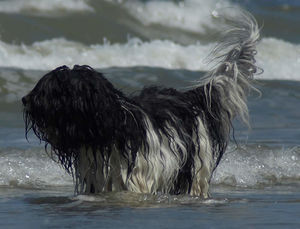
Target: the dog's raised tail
(231, 77)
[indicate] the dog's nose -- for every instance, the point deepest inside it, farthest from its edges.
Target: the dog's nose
(24, 100)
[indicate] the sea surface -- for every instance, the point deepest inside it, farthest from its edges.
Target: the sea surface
(145, 42)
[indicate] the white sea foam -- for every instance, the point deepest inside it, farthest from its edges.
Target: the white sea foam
(251, 166)
(30, 168)
(43, 6)
(190, 15)
(49, 54)
(258, 165)
(278, 58)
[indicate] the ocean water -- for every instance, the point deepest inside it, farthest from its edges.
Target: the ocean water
(146, 42)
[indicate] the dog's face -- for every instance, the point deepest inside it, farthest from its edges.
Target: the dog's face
(72, 108)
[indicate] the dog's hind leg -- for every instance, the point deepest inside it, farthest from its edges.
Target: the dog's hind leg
(203, 162)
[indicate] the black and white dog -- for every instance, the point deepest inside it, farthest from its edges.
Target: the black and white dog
(161, 140)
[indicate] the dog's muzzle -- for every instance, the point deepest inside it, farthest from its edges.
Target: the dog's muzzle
(25, 101)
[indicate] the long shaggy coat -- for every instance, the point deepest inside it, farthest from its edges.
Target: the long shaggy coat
(162, 140)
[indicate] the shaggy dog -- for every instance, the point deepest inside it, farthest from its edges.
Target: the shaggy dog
(162, 140)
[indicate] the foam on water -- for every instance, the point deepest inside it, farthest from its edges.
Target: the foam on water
(249, 166)
(278, 58)
(256, 165)
(43, 6)
(49, 54)
(190, 15)
(30, 168)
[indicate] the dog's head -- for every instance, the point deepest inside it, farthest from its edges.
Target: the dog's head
(73, 108)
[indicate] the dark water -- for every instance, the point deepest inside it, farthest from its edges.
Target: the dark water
(137, 43)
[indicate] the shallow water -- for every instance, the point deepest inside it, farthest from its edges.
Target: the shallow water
(136, 43)
(234, 209)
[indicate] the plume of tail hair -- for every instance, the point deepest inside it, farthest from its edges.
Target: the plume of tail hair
(234, 72)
